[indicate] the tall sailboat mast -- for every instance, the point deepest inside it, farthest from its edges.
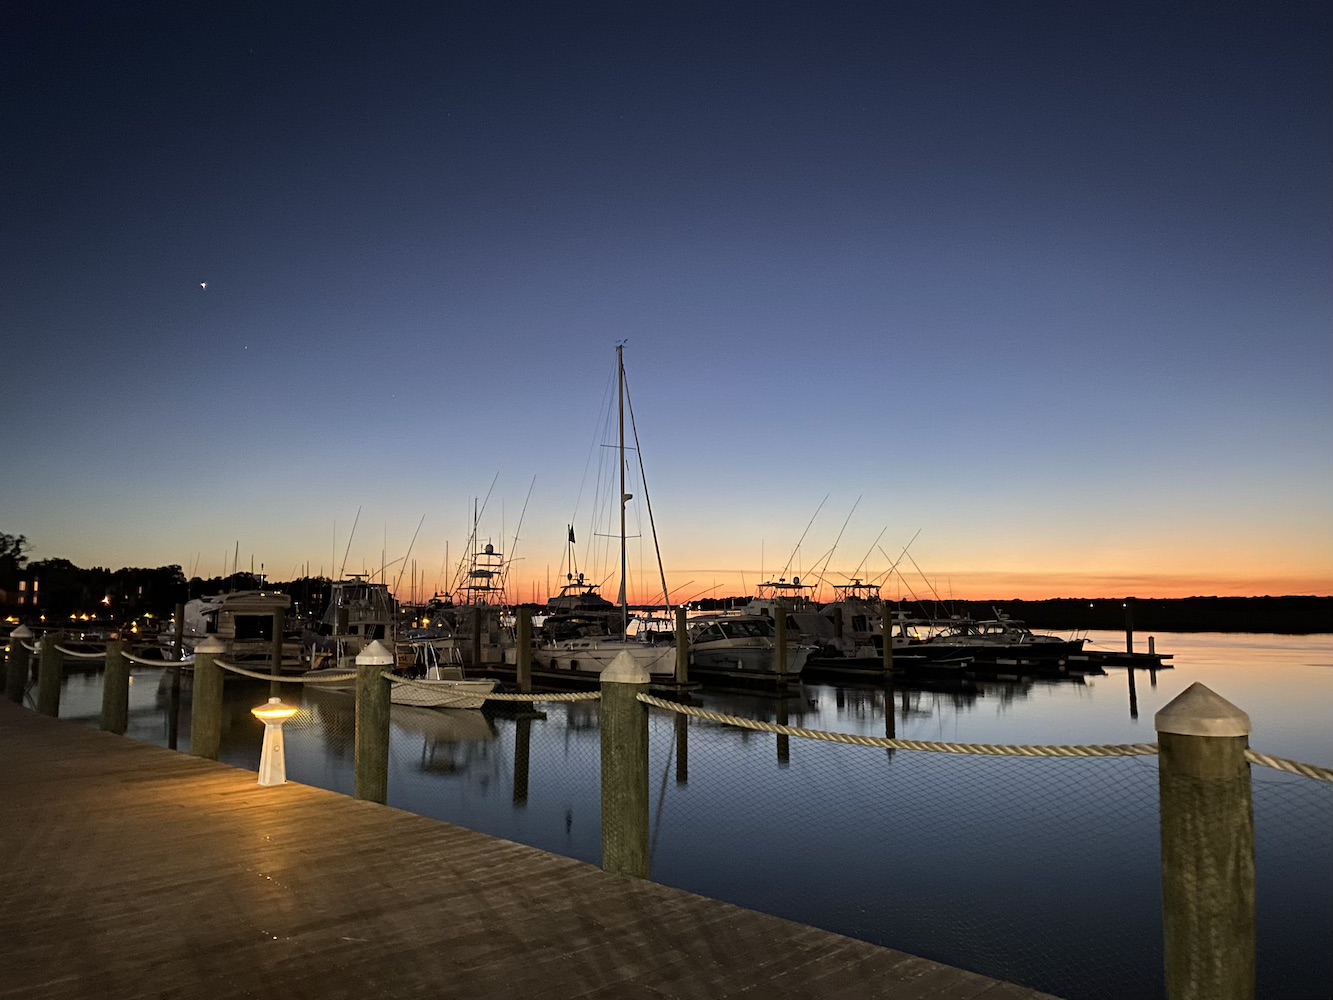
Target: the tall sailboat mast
(624, 497)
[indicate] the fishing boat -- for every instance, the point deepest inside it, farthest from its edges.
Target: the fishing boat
(242, 621)
(999, 637)
(742, 647)
(359, 612)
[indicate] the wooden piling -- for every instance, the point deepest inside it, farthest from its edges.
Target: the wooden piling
(174, 679)
(783, 745)
(624, 732)
(682, 648)
(279, 623)
(174, 706)
(179, 633)
(17, 664)
(523, 656)
(1129, 624)
(838, 628)
(682, 723)
(522, 754)
(1208, 890)
(116, 688)
(206, 710)
(372, 722)
(890, 722)
(51, 672)
(886, 627)
(780, 654)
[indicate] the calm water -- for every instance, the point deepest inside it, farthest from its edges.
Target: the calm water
(1044, 872)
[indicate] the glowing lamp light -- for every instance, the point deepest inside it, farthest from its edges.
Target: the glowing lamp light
(272, 760)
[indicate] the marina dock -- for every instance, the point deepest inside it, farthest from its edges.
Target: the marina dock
(134, 871)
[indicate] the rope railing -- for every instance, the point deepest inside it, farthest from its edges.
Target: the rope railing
(334, 676)
(885, 743)
(1290, 766)
(566, 696)
(76, 655)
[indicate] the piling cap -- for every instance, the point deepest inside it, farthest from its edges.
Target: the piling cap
(211, 646)
(374, 655)
(1201, 711)
(22, 632)
(624, 669)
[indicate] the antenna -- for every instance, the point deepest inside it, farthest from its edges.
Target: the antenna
(349, 543)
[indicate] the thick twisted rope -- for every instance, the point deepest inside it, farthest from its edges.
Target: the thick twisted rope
(75, 655)
(884, 743)
(1290, 766)
(334, 677)
(566, 696)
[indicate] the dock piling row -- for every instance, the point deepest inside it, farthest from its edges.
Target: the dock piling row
(1208, 888)
(206, 714)
(372, 722)
(624, 734)
(17, 664)
(116, 688)
(49, 675)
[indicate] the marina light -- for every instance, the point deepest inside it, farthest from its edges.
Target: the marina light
(272, 759)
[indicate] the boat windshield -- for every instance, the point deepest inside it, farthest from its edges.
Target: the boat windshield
(750, 628)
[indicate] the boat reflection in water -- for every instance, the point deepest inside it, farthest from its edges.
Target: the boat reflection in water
(454, 739)
(960, 857)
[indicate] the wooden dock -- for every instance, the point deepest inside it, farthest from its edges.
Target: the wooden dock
(134, 871)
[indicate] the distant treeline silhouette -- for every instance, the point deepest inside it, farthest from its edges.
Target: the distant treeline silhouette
(1290, 615)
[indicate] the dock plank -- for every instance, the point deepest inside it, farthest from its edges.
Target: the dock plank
(133, 871)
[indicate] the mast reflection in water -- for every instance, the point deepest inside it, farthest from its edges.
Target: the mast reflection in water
(1038, 871)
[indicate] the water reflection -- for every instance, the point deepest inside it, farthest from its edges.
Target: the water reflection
(964, 859)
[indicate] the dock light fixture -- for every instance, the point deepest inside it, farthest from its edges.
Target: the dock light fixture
(272, 760)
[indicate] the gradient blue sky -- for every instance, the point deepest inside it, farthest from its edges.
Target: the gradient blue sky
(1050, 283)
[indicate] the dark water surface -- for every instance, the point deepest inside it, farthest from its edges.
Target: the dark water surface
(1042, 872)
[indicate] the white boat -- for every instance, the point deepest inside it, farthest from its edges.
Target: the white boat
(589, 655)
(442, 687)
(742, 646)
(242, 621)
(593, 654)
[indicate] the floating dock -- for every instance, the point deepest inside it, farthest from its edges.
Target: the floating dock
(134, 871)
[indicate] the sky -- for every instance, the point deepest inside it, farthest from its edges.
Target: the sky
(1041, 292)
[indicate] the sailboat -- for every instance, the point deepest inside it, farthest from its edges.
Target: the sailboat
(587, 656)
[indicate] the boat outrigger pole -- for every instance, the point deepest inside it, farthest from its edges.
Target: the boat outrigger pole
(624, 497)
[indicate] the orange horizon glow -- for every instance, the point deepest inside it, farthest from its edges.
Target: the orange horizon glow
(978, 585)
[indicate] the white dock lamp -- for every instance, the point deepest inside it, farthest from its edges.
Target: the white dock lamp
(272, 760)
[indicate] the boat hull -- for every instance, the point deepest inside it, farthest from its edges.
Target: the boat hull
(589, 657)
(421, 693)
(747, 661)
